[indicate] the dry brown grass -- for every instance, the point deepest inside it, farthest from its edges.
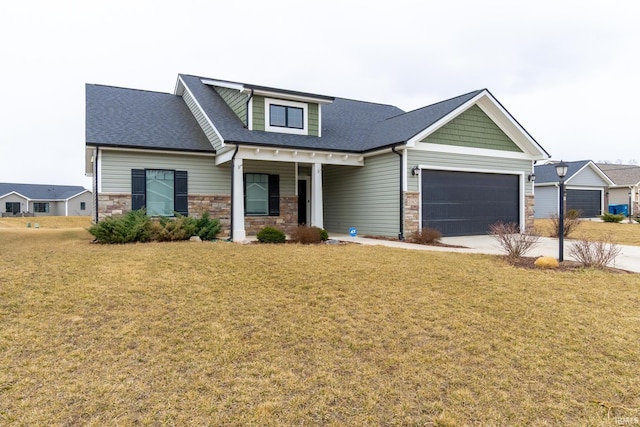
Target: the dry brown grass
(223, 334)
(622, 233)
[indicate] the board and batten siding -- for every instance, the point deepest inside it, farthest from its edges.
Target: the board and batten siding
(287, 172)
(587, 177)
(236, 100)
(473, 128)
(208, 130)
(257, 112)
(363, 197)
(204, 177)
(465, 163)
(546, 201)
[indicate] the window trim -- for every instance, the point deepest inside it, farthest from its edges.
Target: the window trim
(268, 102)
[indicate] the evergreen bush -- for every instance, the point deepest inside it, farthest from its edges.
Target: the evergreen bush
(271, 235)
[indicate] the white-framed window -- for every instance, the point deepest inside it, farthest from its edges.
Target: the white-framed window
(286, 116)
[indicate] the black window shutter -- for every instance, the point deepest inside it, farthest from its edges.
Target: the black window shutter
(138, 189)
(274, 195)
(181, 196)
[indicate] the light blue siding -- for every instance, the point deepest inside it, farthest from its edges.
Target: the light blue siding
(587, 178)
(546, 201)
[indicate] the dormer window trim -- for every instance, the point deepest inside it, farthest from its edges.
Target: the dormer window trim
(268, 102)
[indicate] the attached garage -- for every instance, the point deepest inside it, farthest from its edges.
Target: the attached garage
(467, 203)
(589, 202)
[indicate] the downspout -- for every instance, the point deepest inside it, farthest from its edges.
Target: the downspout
(401, 233)
(232, 186)
(95, 185)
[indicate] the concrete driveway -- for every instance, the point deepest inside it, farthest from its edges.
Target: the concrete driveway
(629, 258)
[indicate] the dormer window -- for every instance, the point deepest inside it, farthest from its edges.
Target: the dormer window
(286, 116)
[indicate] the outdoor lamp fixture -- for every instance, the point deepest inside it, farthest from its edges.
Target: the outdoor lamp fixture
(561, 171)
(415, 170)
(531, 177)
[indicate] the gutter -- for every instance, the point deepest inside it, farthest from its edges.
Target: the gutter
(401, 233)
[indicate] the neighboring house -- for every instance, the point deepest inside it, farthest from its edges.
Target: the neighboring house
(45, 200)
(626, 185)
(585, 188)
(254, 156)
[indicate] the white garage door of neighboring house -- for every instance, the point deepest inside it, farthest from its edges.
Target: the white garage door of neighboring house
(467, 203)
(586, 201)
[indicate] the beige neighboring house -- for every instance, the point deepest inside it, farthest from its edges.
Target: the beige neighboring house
(44, 200)
(626, 185)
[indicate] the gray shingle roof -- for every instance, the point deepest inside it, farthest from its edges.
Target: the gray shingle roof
(347, 125)
(547, 173)
(621, 174)
(136, 118)
(143, 119)
(42, 191)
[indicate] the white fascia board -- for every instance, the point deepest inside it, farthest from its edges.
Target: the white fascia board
(454, 149)
(17, 194)
(492, 108)
(223, 83)
(292, 155)
(202, 111)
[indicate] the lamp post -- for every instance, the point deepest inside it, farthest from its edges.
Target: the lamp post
(629, 210)
(561, 171)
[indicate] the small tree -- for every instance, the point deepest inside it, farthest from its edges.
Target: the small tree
(514, 243)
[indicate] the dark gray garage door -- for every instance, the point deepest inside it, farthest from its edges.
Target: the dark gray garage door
(586, 201)
(467, 203)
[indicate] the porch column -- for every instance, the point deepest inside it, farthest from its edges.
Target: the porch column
(316, 196)
(237, 201)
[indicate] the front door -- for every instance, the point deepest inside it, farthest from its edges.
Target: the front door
(303, 201)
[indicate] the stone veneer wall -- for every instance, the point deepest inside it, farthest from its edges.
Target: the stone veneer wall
(218, 207)
(529, 202)
(411, 213)
(287, 221)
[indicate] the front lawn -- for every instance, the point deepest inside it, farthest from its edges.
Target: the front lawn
(621, 233)
(226, 334)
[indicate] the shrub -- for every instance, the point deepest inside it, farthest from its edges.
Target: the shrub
(426, 236)
(637, 219)
(207, 228)
(271, 235)
(594, 254)
(609, 217)
(307, 235)
(514, 243)
(166, 229)
(571, 222)
(135, 226)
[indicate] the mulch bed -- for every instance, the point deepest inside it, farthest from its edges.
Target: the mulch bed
(529, 263)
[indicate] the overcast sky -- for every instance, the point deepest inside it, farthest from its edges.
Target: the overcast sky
(568, 71)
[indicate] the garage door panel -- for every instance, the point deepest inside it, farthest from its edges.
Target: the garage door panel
(586, 201)
(467, 203)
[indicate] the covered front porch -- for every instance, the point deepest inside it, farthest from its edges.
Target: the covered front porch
(278, 187)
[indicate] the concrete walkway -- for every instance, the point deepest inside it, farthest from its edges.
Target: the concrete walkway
(629, 258)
